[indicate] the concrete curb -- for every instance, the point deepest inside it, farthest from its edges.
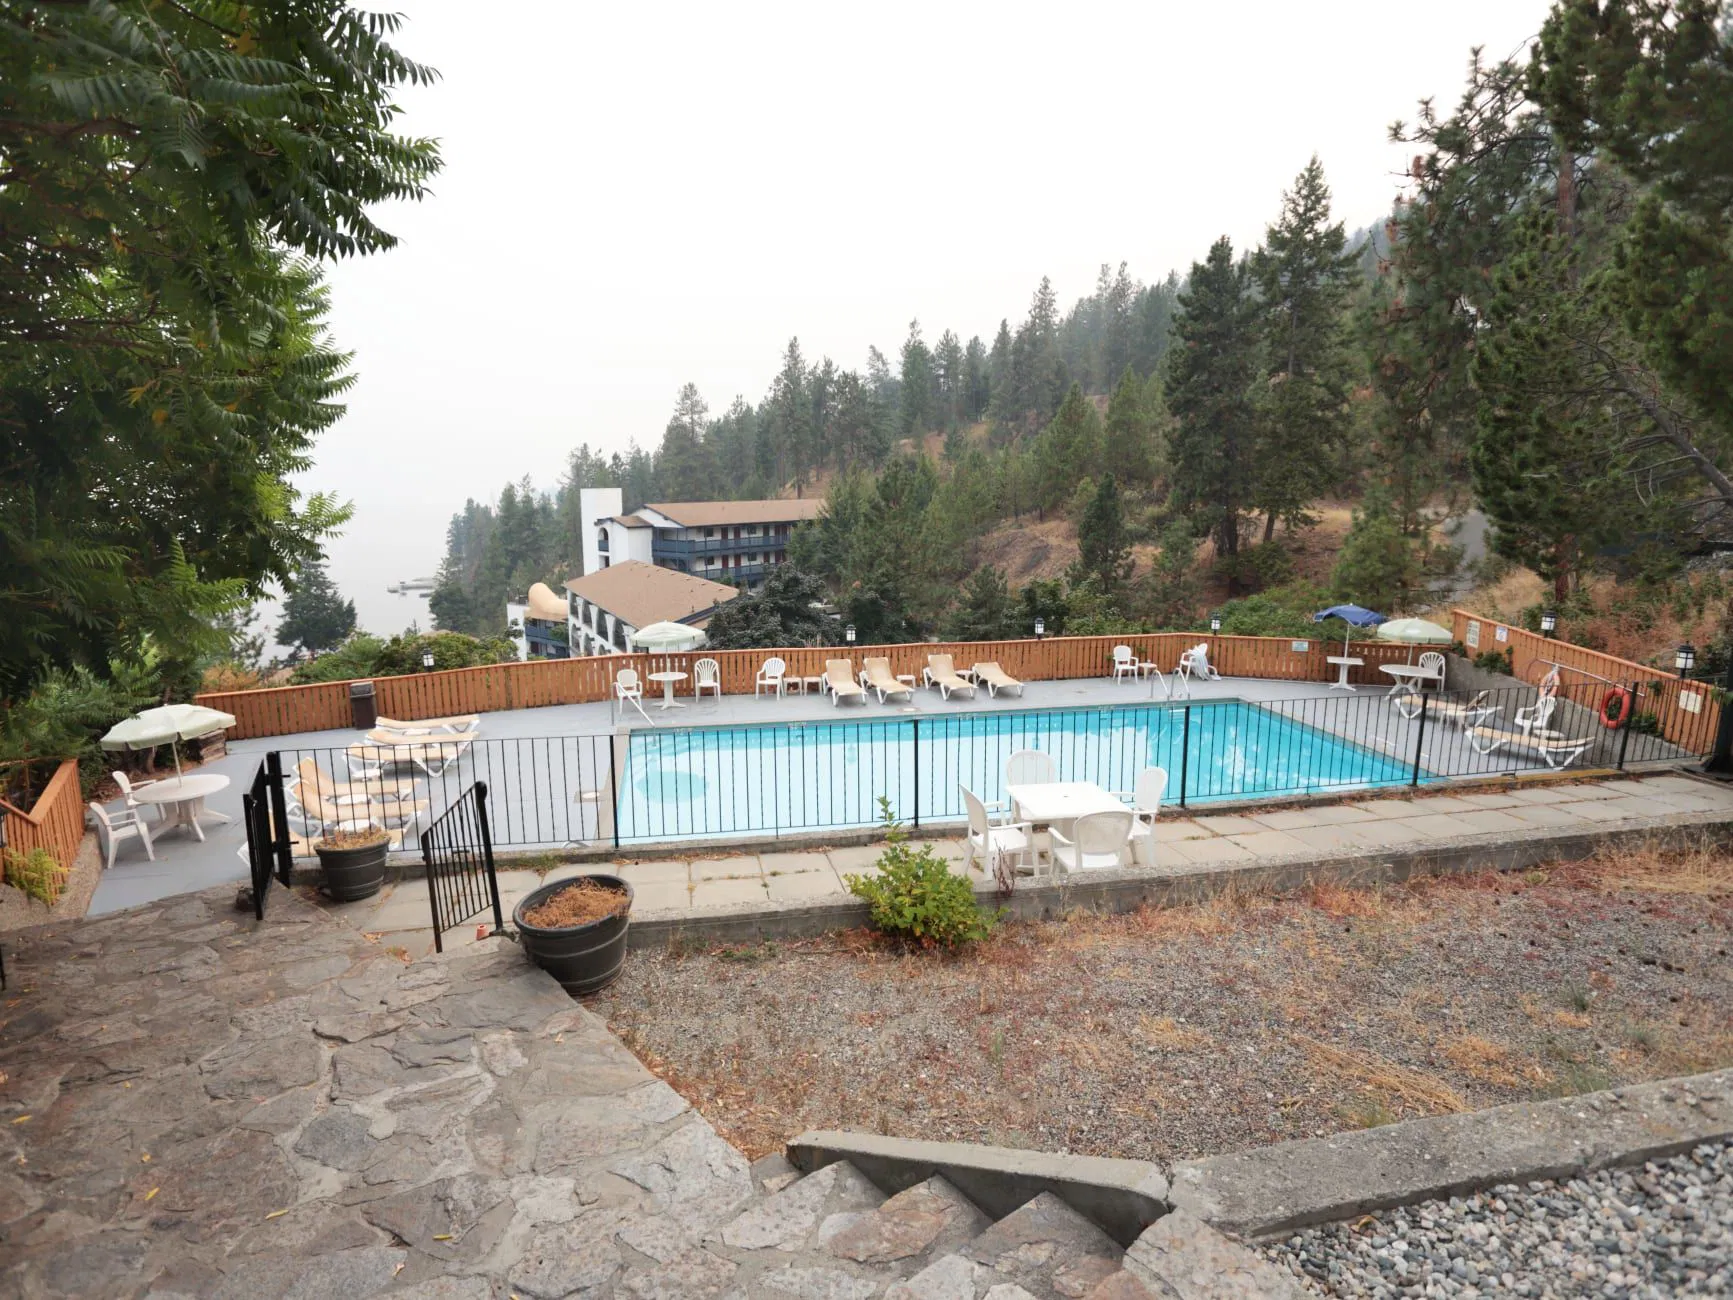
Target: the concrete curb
(1279, 1189)
(1127, 890)
(1121, 1197)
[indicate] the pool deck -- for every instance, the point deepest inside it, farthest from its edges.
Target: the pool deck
(184, 864)
(1474, 825)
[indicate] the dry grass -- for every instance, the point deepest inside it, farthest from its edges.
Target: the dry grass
(1490, 1062)
(1699, 870)
(1422, 1093)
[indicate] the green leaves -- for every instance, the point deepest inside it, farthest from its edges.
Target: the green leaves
(915, 895)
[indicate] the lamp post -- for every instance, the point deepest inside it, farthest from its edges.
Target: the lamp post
(427, 661)
(1040, 628)
(1685, 659)
(848, 634)
(1215, 625)
(1548, 623)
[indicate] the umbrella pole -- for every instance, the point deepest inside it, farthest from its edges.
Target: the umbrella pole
(175, 745)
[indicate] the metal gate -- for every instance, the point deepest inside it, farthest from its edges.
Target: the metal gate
(265, 813)
(458, 851)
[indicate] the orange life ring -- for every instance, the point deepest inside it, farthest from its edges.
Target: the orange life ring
(1615, 707)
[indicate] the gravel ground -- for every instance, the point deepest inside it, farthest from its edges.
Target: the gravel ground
(1664, 1230)
(1171, 1033)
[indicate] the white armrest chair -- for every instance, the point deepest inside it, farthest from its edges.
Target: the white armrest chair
(112, 828)
(988, 843)
(770, 676)
(629, 690)
(1097, 842)
(707, 676)
(1030, 767)
(1145, 806)
(128, 787)
(1432, 664)
(1124, 662)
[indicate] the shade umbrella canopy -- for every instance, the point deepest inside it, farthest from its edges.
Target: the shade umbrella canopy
(1353, 615)
(169, 724)
(667, 637)
(1415, 631)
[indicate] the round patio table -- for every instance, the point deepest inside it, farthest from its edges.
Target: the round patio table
(182, 799)
(668, 679)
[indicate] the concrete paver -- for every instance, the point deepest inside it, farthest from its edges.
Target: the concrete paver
(1269, 844)
(656, 871)
(1288, 819)
(1208, 852)
(1329, 839)
(661, 896)
(736, 868)
(1228, 824)
(725, 892)
(1166, 832)
(799, 886)
(858, 858)
(1543, 814)
(1388, 809)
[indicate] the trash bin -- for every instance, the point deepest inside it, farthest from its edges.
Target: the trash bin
(363, 707)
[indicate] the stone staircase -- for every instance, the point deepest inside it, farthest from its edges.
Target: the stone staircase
(833, 1235)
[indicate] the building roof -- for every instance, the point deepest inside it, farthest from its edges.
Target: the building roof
(641, 594)
(633, 521)
(707, 514)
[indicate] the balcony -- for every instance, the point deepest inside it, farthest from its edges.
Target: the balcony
(681, 547)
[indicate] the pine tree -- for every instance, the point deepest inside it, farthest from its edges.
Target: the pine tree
(1068, 451)
(985, 612)
(1377, 566)
(685, 466)
(1303, 276)
(1102, 540)
(1214, 446)
(948, 379)
(977, 380)
(916, 416)
(315, 615)
(1129, 449)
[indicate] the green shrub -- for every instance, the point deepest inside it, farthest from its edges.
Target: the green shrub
(917, 897)
(1496, 661)
(1285, 612)
(36, 874)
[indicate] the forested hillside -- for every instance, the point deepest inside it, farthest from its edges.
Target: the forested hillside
(1539, 327)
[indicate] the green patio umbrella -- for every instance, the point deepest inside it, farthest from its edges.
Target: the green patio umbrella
(667, 638)
(168, 725)
(1413, 632)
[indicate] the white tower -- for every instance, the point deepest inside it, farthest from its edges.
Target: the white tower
(595, 505)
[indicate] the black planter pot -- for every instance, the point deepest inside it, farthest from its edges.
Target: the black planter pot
(353, 874)
(583, 958)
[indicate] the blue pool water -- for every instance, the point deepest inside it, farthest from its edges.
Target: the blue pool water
(790, 777)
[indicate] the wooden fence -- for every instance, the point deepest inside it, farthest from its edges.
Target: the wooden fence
(285, 710)
(55, 822)
(1686, 713)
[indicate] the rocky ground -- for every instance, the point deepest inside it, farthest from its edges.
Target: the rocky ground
(1175, 1033)
(1660, 1231)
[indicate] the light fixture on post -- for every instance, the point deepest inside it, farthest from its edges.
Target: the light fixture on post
(1685, 659)
(427, 660)
(1548, 623)
(848, 634)
(1215, 624)
(1040, 628)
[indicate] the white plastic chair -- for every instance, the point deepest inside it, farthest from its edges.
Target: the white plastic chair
(1096, 842)
(128, 787)
(988, 843)
(1124, 662)
(112, 828)
(772, 675)
(1030, 767)
(1432, 664)
(707, 676)
(1195, 663)
(1145, 799)
(1536, 719)
(628, 690)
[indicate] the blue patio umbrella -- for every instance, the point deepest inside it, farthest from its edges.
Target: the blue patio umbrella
(1354, 616)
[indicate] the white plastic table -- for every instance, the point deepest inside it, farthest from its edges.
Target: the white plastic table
(182, 799)
(1059, 803)
(668, 679)
(1344, 662)
(1409, 678)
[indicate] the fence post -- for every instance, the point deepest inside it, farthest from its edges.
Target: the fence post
(487, 853)
(1625, 726)
(1419, 738)
(279, 818)
(1184, 753)
(916, 724)
(614, 787)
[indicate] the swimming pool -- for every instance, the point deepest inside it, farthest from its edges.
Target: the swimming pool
(808, 776)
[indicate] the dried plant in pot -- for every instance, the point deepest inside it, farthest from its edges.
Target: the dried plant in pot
(575, 930)
(353, 862)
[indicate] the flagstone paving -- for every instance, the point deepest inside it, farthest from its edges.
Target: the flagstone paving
(673, 886)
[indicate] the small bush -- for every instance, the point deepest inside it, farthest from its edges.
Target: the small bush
(1496, 661)
(36, 874)
(915, 896)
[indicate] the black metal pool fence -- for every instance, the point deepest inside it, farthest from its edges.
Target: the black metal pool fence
(763, 780)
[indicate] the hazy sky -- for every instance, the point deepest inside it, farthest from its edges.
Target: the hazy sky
(637, 196)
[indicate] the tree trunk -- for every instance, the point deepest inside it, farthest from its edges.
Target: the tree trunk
(1270, 526)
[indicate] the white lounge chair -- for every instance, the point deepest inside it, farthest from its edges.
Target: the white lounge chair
(1145, 799)
(429, 726)
(942, 673)
(996, 678)
(770, 675)
(988, 843)
(383, 749)
(1463, 713)
(876, 675)
(1536, 719)
(706, 676)
(1554, 750)
(1097, 841)
(112, 828)
(839, 681)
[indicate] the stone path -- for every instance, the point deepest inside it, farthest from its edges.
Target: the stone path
(192, 1104)
(667, 887)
